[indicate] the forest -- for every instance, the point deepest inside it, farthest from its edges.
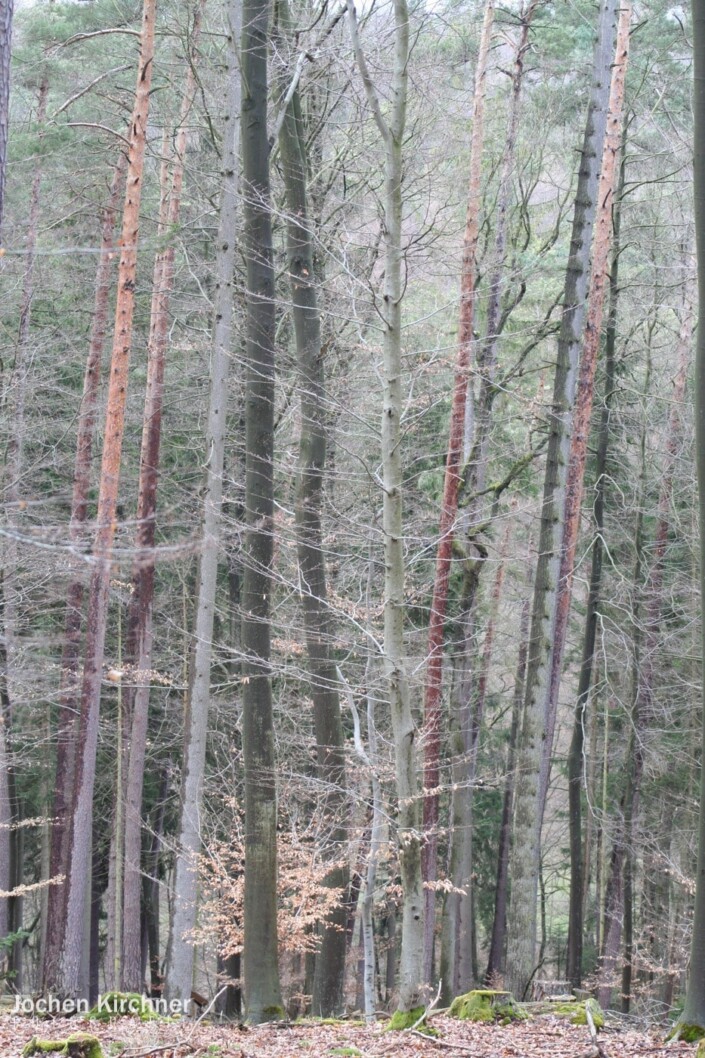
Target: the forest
(353, 409)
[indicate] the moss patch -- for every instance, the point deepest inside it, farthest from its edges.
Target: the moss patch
(689, 1034)
(122, 1004)
(483, 1004)
(77, 1045)
(577, 1011)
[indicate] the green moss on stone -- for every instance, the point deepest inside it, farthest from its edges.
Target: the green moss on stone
(406, 1019)
(122, 1004)
(77, 1045)
(273, 1013)
(688, 1033)
(700, 1053)
(484, 1004)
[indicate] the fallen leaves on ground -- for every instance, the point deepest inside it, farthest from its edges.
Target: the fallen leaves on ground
(543, 1037)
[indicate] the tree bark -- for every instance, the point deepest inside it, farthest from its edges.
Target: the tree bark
(179, 973)
(449, 503)
(495, 961)
(6, 15)
(575, 753)
(408, 816)
(68, 704)
(260, 961)
(79, 859)
(694, 1011)
(329, 973)
(139, 620)
(578, 446)
(538, 728)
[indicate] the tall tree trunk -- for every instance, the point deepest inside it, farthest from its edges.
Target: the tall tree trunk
(576, 470)
(10, 907)
(495, 961)
(139, 626)
(79, 859)
(408, 816)
(449, 503)
(575, 753)
(645, 669)
(538, 728)
(179, 972)
(68, 694)
(694, 1010)
(260, 962)
(6, 14)
(329, 974)
(458, 932)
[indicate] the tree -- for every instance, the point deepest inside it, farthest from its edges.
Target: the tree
(79, 858)
(391, 130)
(330, 960)
(694, 1010)
(538, 724)
(179, 972)
(260, 964)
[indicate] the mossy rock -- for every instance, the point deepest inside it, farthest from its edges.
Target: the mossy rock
(689, 1034)
(77, 1045)
(406, 1019)
(483, 1004)
(598, 1017)
(122, 1004)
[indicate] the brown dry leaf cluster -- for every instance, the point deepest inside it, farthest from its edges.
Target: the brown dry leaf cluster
(546, 1037)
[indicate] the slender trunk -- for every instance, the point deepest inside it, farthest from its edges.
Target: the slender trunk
(575, 755)
(408, 815)
(643, 708)
(180, 959)
(139, 630)
(495, 962)
(10, 908)
(327, 995)
(68, 705)
(6, 13)
(260, 961)
(449, 503)
(457, 922)
(79, 862)
(538, 728)
(694, 1011)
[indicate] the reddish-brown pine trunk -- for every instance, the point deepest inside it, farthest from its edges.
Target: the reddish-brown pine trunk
(141, 600)
(449, 505)
(68, 705)
(79, 859)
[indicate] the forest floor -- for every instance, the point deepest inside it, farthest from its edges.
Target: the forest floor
(543, 1037)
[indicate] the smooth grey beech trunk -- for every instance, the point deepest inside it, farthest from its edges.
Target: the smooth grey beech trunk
(536, 744)
(260, 956)
(408, 815)
(327, 997)
(179, 969)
